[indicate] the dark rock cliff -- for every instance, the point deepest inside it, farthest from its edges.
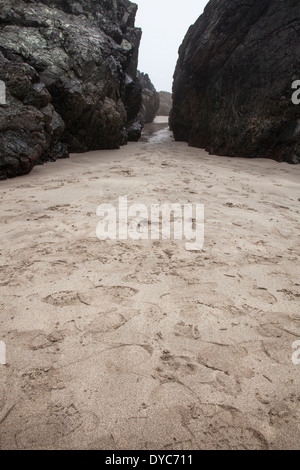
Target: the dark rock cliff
(30, 128)
(232, 84)
(150, 99)
(77, 61)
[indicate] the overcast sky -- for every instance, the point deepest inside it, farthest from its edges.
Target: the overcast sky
(164, 24)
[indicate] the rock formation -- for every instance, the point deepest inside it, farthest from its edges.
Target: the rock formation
(150, 99)
(71, 73)
(165, 103)
(30, 128)
(232, 84)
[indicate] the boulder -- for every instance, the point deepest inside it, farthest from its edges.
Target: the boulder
(232, 85)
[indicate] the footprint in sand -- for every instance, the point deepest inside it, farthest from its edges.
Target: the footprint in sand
(173, 394)
(263, 294)
(93, 297)
(224, 427)
(41, 380)
(58, 422)
(224, 358)
(187, 330)
(106, 322)
(151, 311)
(195, 313)
(62, 299)
(116, 294)
(125, 357)
(43, 341)
(174, 367)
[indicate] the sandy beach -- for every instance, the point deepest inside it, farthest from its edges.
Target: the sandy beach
(142, 344)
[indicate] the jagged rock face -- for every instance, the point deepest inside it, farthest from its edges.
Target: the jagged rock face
(165, 103)
(150, 99)
(85, 52)
(232, 84)
(30, 128)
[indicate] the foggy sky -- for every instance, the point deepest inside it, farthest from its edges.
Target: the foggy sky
(164, 24)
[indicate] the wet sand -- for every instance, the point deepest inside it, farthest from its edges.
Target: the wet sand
(143, 344)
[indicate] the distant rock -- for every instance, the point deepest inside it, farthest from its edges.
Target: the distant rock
(232, 84)
(150, 99)
(81, 56)
(165, 100)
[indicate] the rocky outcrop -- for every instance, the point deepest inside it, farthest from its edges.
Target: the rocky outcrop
(80, 56)
(232, 84)
(30, 128)
(150, 99)
(165, 103)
